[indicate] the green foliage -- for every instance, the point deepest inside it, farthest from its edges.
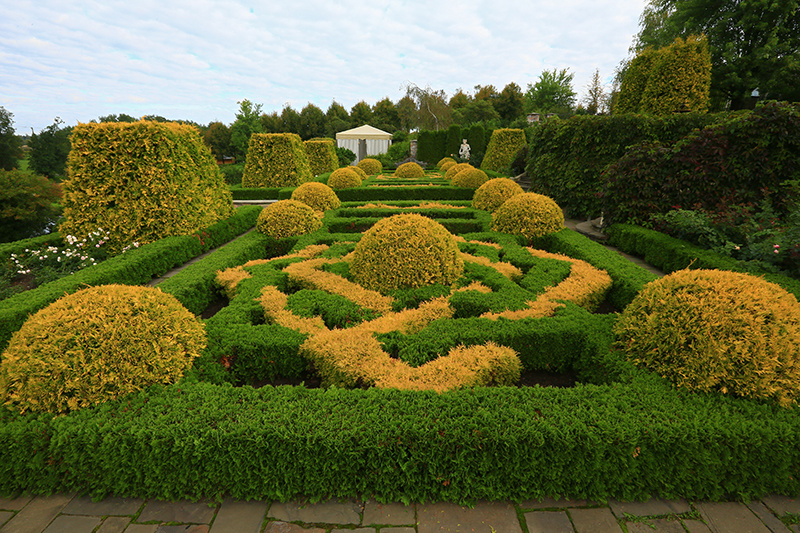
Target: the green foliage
(140, 182)
(247, 123)
(406, 251)
(398, 151)
(700, 330)
(431, 145)
(287, 218)
(28, 204)
(336, 311)
(552, 93)
(322, 156)
(96, 345)
(634, 82)
(9, 142)
(502, 149)
(232, 173)
(276, 160)
(529, 214)
(345, 156)
(49, 150)
(218, 138)
(453, 140)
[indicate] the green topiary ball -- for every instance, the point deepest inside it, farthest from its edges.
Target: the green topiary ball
(494, 193)
(455, 169)
(96, 345)
(409, 170)
(317, 196)
(344, 178)
(406, 251)
(370, 166)
(470, 178)
(287, 218)
(529, 214)
(714, 330)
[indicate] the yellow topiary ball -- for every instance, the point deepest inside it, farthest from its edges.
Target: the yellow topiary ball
(494, 193)
(287, 218)
(406, 251)
(96, 345)
(409, 170)
(470, 178)
(447, 166)
(444, 161)
(455, 169)
(714, 330)
(370, 166)
(317, 196)
(529, 214)
(361, 174)
(344, 178)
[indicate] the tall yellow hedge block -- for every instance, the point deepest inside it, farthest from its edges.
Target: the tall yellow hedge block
(503, 147)
(141, 181)
(276, 160)
(321, 156)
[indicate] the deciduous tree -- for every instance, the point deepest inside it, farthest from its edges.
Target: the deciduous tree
(510, 103)
(552, 92)
(9, 142)
(49, 150)
(247, 122)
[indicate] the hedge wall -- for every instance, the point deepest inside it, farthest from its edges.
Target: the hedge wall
(321, 156)
(141, 181)
(276, 160)
(503, 147)
(431, 146)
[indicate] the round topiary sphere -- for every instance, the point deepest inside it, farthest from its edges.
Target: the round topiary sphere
(409, 170)
(470, 178)
(444, 160)
(287, 218)
(455, 169)
(494, 193)
(361, 174)
(447, 166)
(370, 166)
(406, 251)
(96, 345)
(528, 214)
(344, 178)
(714, 330)
(317, 196)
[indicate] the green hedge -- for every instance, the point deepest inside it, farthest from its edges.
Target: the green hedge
(670, 254)
(135, 267)
(371, 194)
(266, 193)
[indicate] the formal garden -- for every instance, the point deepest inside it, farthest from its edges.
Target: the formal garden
(414, 334)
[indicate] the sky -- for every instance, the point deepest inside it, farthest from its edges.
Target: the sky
(196, 59)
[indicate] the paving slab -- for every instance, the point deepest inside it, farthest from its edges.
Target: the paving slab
(186, 528)
(37, 514)
(356, 530)
(141, 528)
(283, 527)
(14, 504)
(398, 530)
(327, 512)
(795, 528)
(730, 517)
(548, 522)
(114, 524)
(240, 517)
(600, 520)
(696, 526)
(656, 525)
(5, 516)
(444, 517)
(395, 514)
(83, 505)
(770, 520)
(654, 507)
(551, 503)
(183, 511)
(73, 524)
(782, 504)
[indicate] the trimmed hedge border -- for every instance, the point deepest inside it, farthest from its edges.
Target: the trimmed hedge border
(670, 254)
(135, 267)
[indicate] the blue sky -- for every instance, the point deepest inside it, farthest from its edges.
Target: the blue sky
(195, 59)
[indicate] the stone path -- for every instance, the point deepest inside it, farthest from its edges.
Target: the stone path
(66, 513)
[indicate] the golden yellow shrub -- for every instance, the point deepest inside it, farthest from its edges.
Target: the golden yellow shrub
(470, 178)
(370, 166)
(287, 218)
(317, 196)
(455, 169)
(409, 170)
(494, 193)
(344, 178)
(529, 214)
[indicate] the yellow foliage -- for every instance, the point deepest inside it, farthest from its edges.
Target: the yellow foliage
(529, 214)
(494, 193)
(276, 160)
(370, 166)
(470, 178)
(229, 279)
(503, 147)
(274, 304)
(321, 156)
(506, 269)
(453, 170)
(443, 161)
(344, 178)
(287, 218)
(409, 170)
(317, 196)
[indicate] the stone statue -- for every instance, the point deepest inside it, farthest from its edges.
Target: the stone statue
(463, 152)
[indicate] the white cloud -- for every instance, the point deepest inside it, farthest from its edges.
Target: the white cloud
(194, 59)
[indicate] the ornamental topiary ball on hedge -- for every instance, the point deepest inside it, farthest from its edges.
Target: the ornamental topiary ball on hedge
(714, 330)
(530, 215)
(409, 170)
(360, 171)
(470, 178)
(287, 218)
(344, 178)
(494, 193)
(406, 251)
(96, 345)
(447, 166)
(317, 196)
(443, 161)
(370, 166)
(453, 171)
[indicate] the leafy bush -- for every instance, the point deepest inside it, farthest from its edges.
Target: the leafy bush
(700, 330)
(503, 148)
(276, 160)
(494, 193)
(470, 178)
(398, 151)
(232, 174)
(344, 178)
(370, 166)
(287, 218)
(406, 251)
(317, 196)
(96, 345)
(28, 204)
(409, 170)
(530, 215)
(345, 156)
